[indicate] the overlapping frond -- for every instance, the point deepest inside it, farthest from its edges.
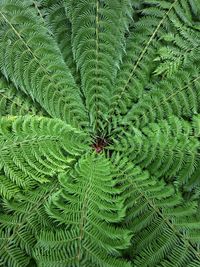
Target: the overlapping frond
(36, 148)
(177, 95)
(159, 20)
(54, 16)
(168, 149)
(14, 102)
(8, 189)
(166, 229)
(179, 49)
(88, 205)
(98, 30)
(20, 223)
(32, 60)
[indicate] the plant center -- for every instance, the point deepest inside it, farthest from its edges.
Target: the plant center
(99, 144)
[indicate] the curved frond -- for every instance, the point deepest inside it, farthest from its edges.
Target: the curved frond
(24, 41)
(98, 30)
(88, 205)
(168, 149)
(35, 148)
(166, 230)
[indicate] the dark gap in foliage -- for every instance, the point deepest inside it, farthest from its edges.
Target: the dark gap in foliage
(43, 157)
(9, 128)
(99, 144)
(109, 153)
(64, 152)
(32, 263)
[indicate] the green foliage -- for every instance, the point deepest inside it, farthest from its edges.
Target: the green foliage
(40, 69)
(89, 206)
(98, 30)
(14, 102)
(99, 133)
(20, 223)
(53, 12)
(168, 149)
(165, 228)
(35, 148)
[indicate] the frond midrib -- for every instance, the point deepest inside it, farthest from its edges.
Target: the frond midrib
(119, 96)
(165, 219)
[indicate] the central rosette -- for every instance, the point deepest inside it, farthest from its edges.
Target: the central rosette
(99, 144)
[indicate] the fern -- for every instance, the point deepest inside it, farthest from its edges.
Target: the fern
(53, 14)
(92, 204)
(166, 230)
(14, 102)
(169, 149)
(32, 148)
(20, 32)
(22, 220)
(99, 133)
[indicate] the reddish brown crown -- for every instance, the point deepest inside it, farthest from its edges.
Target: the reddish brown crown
(99, 144)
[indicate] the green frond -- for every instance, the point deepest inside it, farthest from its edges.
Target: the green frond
(177, 95)
(98, 30)
(35, 148)
(159, 18)
(32, 60)
(88, 205)
(20, 224)
(7, 187)
(168, 149)
(180, 50)
(54, 15)
(12, 256)
(138, 61)
(14, 102)
(166, 230)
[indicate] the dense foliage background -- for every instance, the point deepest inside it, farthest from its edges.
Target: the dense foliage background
(99, 133)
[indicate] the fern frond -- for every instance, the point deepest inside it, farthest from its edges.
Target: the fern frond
(7, 187)
(168, 149)
(35, 148)
(39, 70)
(178, 95)
(180, 50)
(54, 15)
(141, 49)
(97, 41)
(20, 223)
(88, 206)
(135, 76)
(14, 102)
(166, 230)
